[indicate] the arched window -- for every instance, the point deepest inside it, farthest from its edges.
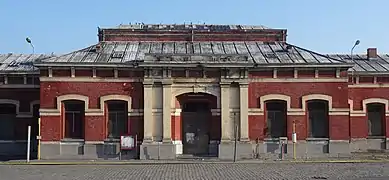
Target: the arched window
(117, 118)
(318, 119)
(276, 118)
(376, 117)
(74, 119)
(7, 121)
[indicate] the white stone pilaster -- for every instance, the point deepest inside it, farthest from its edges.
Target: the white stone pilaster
(225, 112)
(166, 112)
(147, 111)
(244, 119)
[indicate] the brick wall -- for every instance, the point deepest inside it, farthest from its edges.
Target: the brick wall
(339, 124)
(95, 126)
(228, 35)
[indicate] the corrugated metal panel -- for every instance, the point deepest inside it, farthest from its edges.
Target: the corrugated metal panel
(206, 48)
(144, 48)
(180, 48)
(217, 48)
(255, 52)
(168, 47)
(229, 48)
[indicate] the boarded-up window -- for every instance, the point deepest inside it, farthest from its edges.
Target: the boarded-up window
(32, 79)
(117, 118)
(74, 119)
(276, 119)
(376, 115)
(7, 121)
(15, 79)
(318, 119)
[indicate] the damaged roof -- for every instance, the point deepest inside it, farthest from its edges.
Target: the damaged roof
(211, 27)
(19, 63)
(365, 65)
(217, 53)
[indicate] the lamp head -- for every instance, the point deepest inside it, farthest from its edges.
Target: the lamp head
(28, 40)
(357, 42)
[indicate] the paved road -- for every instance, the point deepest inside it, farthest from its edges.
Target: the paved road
(197, 171)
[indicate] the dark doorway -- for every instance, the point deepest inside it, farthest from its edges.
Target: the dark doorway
(376, 119)
(7, 121)
(276, 119)
(196, 116)
(117, 119)
(318, 119)
(74, 119)
(34, 131)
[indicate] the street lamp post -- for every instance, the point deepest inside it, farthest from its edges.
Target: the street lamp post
(352, 49)
(357, 42)
(32, 46)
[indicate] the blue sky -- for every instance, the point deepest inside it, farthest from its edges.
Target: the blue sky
(329, 26)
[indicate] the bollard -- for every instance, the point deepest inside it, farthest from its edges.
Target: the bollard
(283, 141)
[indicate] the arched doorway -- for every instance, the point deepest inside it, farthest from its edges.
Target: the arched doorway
(196, 123)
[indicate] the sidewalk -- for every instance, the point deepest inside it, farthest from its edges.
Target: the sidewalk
(206, 161)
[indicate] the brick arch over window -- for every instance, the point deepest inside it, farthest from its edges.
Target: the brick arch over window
(180, 91)
(365, 102)
(32, 104)
(115, 97)
(269, 97)
(311, 97)
(73, 97)
(11, 101)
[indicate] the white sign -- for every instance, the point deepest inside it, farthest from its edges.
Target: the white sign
(294, 137)
(127, 142)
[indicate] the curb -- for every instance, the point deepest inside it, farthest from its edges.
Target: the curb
(192, 162)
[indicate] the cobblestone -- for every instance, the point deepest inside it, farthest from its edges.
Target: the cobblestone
(266, 171)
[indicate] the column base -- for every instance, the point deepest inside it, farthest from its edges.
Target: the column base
(157, 151)
(244, 150)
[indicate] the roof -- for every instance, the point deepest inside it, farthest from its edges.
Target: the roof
(365, 65)
(19, 63)
(187, 53)
(188, 27)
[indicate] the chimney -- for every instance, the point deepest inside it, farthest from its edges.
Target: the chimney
(98, 47)
(372, 53)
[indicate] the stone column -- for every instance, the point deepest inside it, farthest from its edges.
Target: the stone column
(147, 111)
(244, 115)
(226, 134)
(166, 113)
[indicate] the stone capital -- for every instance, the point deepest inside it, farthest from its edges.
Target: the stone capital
(167, 82)
(147, 82)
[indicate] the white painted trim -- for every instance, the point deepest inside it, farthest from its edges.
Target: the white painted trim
(362, 113)
(19, 86)
(88, 79)
(375, 100)
(378, 85)
(200, 88)
(311, 80)
(316, 97)
(115, 97)
(50, 142)
(188, 80)
(269, 97)
(12, 141)
(11, 101)
(73, 97)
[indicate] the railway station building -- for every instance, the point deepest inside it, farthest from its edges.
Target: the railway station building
(194, 90)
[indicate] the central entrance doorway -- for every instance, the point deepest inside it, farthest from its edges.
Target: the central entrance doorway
(196, 117)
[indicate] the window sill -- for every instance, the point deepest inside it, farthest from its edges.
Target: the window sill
(376, 137)
(273, 139)
(111, 140)
(68, 140)
(317, 139)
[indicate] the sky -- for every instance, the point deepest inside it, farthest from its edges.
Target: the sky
(327, 26)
